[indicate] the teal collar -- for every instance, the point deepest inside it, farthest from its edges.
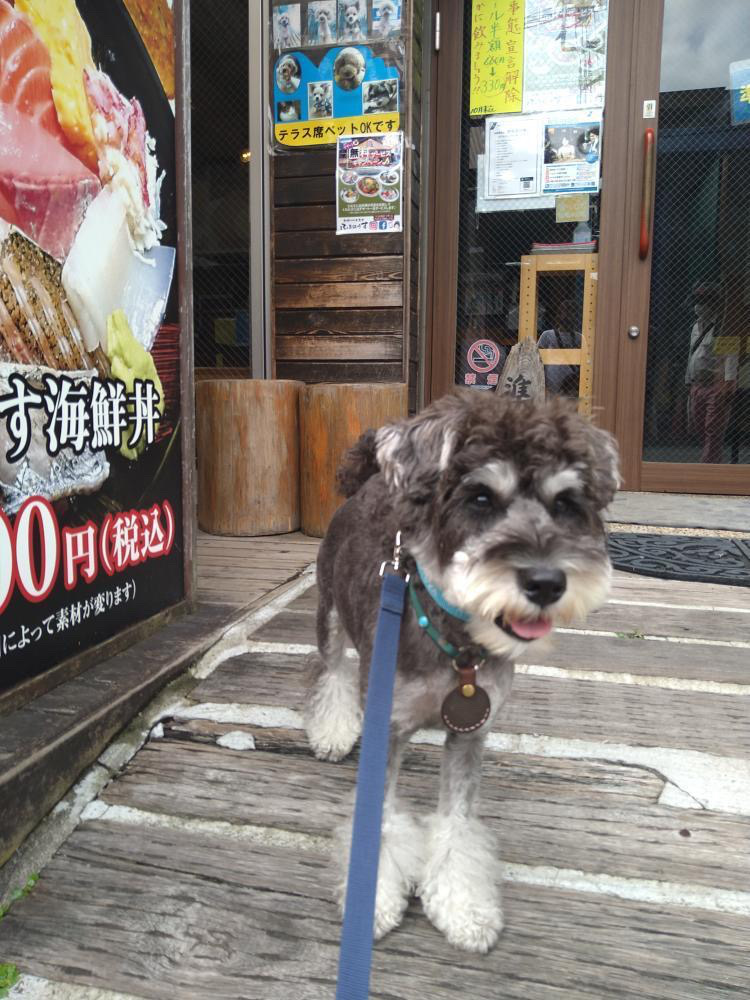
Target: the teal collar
(437, 595)
(424, 623)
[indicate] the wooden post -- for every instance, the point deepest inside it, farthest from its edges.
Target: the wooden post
(332, 418)
(248, 456)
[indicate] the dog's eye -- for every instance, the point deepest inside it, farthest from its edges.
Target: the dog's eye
(565, 505)
(481, 502)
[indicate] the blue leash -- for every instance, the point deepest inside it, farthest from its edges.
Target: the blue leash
(355, 956)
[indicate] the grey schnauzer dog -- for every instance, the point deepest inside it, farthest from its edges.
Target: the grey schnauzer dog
(499, 503)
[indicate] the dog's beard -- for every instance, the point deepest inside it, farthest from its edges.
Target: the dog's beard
(488, 590)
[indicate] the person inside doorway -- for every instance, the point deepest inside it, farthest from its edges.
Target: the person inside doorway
(711, 374)
(562, 380)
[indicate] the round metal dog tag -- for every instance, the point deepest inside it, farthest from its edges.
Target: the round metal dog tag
(463, 713)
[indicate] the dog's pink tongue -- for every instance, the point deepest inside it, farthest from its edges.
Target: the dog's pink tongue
(531, 630)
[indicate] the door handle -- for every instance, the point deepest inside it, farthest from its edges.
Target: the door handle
(649, 148)
(634, 332)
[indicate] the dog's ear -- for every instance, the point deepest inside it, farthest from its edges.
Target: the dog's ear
(605, 465)
(413, 453)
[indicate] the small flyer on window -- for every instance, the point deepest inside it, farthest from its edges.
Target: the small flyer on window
(512, 156)
(571, 156)
(369, 186)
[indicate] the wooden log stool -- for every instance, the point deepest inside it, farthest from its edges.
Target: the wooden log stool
(248, 456)
(332, 418)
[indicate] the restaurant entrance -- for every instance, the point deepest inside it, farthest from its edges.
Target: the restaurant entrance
(606, 217)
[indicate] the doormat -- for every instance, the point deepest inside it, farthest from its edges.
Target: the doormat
(683, 557)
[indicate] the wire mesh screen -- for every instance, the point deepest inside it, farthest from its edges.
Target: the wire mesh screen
(698, 369)
(495, 234)
(221, 225)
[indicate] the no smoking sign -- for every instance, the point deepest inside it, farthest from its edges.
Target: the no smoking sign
(483, 356)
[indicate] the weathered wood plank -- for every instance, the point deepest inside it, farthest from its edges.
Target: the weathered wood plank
(309, 163)
(340, 294)
(587, 815)
(305, 217)
(320, 347)
(338, 371)
(309, 191)
(161, 914)
(545, 706)
(316, 269)
(48, 750)
(634, 620)
(628, 586)
(613, 655)
(339, 321)
(328, 244)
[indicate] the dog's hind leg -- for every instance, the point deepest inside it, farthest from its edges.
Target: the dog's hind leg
(333, 717)
(460, 888)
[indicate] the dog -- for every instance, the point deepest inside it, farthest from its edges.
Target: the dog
(351, 23)
(349, 69)
(287, 37)
(387, 22)
(382, 95)
(319, 102)
(324, 17)
(288, 75)
(499, 503)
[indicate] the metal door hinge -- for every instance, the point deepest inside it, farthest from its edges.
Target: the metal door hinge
(437, 31)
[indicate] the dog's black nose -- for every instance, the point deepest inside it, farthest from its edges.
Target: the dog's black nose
(542, 586)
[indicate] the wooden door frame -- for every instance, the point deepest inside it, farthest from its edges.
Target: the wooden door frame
(441, 286)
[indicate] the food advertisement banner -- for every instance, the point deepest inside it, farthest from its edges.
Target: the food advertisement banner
(338, 70)
(369, 185)
(90, 465)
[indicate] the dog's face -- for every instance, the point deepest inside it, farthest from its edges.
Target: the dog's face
(381, 95)
(319, 97)
(501, 503)
(351, 16)
(284, 22)
(324, 17)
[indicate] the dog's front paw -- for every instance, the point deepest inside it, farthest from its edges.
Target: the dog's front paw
(399, 871)
(460, 889)
(333, 719)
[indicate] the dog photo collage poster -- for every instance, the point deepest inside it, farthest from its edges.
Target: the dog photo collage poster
(338, 70)
(368, 184)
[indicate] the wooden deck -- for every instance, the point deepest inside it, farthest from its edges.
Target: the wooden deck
(241, 571)
(618, 783)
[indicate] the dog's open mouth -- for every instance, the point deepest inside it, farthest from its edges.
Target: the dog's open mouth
(525, 631)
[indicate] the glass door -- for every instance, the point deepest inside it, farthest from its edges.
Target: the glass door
(684, 330)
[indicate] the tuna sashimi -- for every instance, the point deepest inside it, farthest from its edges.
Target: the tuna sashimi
(46, 187)
(25, 70)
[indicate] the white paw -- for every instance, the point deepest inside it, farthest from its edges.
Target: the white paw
(460, 890)
(333, 718)
(399, 869)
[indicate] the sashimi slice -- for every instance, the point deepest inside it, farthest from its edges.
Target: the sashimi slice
(60, 26)
(25, 71)
(47, 188)
(103, 275)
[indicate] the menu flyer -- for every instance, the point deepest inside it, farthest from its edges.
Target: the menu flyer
(369, 185)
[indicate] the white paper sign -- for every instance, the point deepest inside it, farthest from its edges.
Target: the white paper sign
(512, 167)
